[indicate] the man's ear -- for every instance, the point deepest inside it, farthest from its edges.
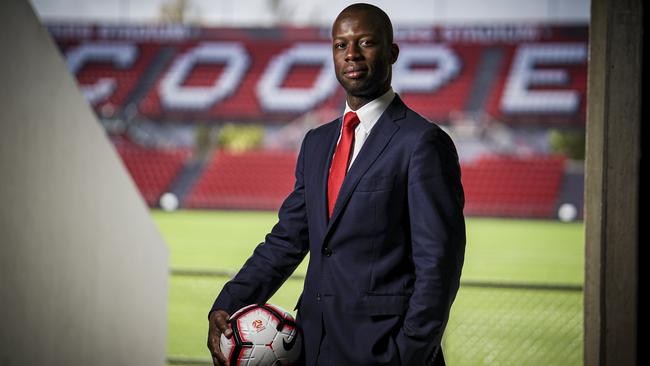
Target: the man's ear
(394, 53)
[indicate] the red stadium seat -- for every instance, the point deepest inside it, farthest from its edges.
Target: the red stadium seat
(515, 187)
(152, 170)
(249, 180)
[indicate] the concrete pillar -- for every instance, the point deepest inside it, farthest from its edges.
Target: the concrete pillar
(612, 182)
(83, 270)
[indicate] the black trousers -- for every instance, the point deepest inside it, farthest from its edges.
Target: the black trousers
(325, 354)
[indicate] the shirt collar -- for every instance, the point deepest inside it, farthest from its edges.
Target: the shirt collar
(369, 114)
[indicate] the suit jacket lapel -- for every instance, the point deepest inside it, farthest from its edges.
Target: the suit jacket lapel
(325, 160)
(379, 137)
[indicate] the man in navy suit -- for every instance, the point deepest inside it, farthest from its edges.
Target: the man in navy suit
(378, 203)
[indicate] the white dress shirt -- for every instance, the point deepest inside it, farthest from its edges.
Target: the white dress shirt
(368, 116)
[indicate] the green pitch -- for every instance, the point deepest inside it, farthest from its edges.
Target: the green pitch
(487, 326)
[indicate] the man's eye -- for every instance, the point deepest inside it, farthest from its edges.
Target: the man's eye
(339, 46)
(367, 43)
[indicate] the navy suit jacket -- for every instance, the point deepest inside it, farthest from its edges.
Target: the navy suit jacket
(384, 270)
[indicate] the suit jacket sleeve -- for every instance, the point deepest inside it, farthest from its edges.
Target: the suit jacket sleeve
(435, 204)
(275, 259)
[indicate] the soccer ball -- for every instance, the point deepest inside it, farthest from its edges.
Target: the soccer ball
(262, 335)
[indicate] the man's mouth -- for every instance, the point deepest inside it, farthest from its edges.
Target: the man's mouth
(355, 72)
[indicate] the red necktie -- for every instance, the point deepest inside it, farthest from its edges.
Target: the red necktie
(341, 159)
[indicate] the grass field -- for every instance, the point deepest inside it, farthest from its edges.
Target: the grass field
(488, 326)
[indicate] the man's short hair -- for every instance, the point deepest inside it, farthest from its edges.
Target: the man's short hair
(376, 12)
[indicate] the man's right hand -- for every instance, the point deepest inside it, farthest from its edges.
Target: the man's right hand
(218, 320)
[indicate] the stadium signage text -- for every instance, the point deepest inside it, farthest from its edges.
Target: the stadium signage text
(536, 80)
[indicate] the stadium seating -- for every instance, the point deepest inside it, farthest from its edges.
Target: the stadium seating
(124, 78)
(544, 110)
(510, 186)
(249, 180)
(452, 96)
(242, 104)
(540, 78)
(526, 76)
(494, 185)
(260, 179)
(152, 170)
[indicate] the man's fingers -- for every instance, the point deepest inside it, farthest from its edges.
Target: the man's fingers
(218, 325)
(220, 358)
(221, 320)
(214, 345)
(216, 361)
(215, 350)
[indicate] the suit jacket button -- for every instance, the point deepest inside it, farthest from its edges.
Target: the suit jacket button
(318, 296)
(327, 251)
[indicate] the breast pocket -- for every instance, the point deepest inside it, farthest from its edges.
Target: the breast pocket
(373, 199)
(376, 184)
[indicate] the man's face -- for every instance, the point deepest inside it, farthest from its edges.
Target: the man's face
(363, 55)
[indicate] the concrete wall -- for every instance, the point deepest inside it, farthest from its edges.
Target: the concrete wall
(83, 270)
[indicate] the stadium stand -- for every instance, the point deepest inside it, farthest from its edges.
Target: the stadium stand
(109, 71)
(511, 186)
(272, 77)
(531, 88)
(153, 170)
(494, 185)
(258, 179)
(452, 95)
(525, 77)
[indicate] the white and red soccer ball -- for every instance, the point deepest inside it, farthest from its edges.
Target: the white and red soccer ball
(263, 335)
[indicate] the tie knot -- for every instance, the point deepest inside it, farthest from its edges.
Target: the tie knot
(350, 120)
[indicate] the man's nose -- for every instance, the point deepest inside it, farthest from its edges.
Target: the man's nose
(353, 52)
